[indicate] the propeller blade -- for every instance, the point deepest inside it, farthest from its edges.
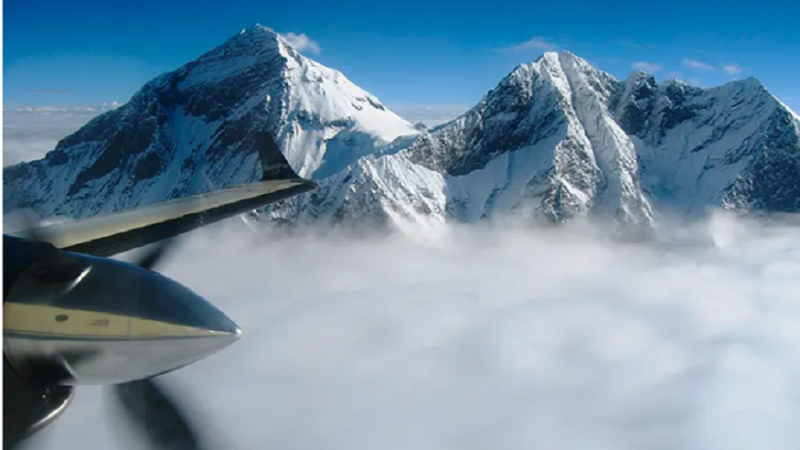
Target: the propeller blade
(31, 403)
(33, 230)
(155, 254)
(31, 222)
(153, 413)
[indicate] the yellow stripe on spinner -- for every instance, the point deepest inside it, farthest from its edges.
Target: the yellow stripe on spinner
(52, 321)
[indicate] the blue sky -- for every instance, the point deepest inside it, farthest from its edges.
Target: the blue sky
(86, 52)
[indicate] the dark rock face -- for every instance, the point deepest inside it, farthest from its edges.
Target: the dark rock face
(638, 107)
(772, 180)
(520, 112)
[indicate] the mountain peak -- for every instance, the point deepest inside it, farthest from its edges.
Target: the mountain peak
(258, 28)
(548, 58)
(752, 82)
(249, 42)
(639, 74)
(562, 59)
(568, 55)
(263, 35)
(559, 55)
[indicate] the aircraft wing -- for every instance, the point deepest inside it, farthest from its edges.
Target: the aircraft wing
(108, 234)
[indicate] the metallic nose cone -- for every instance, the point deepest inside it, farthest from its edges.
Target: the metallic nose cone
(118, 323)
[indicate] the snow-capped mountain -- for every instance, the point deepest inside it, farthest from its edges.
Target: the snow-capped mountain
(555, 139)
(192, 129)
(735, 145)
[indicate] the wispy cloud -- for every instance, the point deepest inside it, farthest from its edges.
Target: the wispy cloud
(536, 43)
(646, 66)
(31, 131)
(301, 42)
(732, 69)
(697, 65)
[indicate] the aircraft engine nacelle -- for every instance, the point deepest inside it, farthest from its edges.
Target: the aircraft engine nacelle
(73, 319)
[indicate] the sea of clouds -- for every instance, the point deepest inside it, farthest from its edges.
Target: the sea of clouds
(489, 339)
(29, 133)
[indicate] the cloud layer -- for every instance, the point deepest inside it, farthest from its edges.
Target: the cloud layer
(29, 133)
(504, 339)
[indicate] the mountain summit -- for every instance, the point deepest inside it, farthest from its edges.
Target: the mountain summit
(554, 140)
(192, 129)
(557, 138)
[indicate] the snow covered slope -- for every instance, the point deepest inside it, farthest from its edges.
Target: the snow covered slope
(735, 145)
(556, 139)
(191, 130)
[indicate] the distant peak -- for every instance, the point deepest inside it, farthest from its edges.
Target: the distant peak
(749, 84)
(752, 81)
(568, 54)
(675, 81)
(548, 57)
(252, 43)
(257, 33)
(639, 75)
(571, 58)
(562, 57)
(258, 28)
(254, 39)
(260, 35)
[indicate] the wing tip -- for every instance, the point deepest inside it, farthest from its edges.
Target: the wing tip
(274, 165)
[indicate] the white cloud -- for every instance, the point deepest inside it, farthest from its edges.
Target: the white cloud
(301, 42)
(697, 65)
(645, 66)
(30, 132)
(536, 43)
(512, 340)
(732, 69)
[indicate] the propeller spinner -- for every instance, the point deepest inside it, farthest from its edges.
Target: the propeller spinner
(73, 319)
